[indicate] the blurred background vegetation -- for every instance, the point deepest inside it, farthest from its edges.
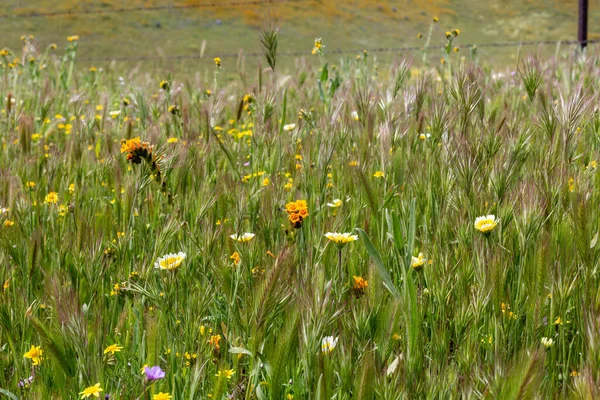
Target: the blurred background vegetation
(348, 25)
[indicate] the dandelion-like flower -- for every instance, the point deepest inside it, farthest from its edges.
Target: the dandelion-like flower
(245, 238)
(170, 261)
(341, 239)
(218, 62)
(547, 342)
(35, 354)
(379, 174)
(227, 373)
(51, 198)
(485, 224)
(418, 262)
(164, 85)
(73, 38)
(328, 344)
(162, 396)
(91, 391)
(112, 349)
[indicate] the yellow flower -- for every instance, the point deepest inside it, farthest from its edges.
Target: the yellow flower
(227, 373)
(162, 396)
(112, 349)
(35, 354)
(73, 38)
(379, 174)
(62, 210)
(318, 47)
(164, 85)
(30, 184)
(435, 20)
(8, 223)
(51, 198)
(91, 390)
(571, 184)
(418, 262)
(235, 257)
(172, 140)
(341, 238)
(266, 181)
(170, 261)
(486, 223)
(245, 238)
(218, 62)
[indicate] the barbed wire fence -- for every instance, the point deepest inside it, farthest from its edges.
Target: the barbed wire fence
(232, 4)
(342, 51)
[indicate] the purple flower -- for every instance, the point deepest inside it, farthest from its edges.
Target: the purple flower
(26, 382)
(154, 373)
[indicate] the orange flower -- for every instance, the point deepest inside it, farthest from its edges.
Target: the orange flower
(214, 341)
(297, 212)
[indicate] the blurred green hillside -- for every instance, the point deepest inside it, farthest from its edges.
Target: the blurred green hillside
(342, 25)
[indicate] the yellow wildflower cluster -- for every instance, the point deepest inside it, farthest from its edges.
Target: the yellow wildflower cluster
(318, 47)
(245, 130)
(246, 178)
(506, 311)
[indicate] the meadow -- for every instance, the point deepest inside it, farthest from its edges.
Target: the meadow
(345, 230)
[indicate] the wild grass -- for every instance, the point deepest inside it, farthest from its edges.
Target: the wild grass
(406, 162)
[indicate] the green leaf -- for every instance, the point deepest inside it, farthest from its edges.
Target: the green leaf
(374, 254)
(324, 74)
(8, 394)
(240, 350)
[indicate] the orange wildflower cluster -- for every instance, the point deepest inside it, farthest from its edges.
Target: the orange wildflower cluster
(360, 284)
(297, 211)
(136, 150)
(214, 341)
